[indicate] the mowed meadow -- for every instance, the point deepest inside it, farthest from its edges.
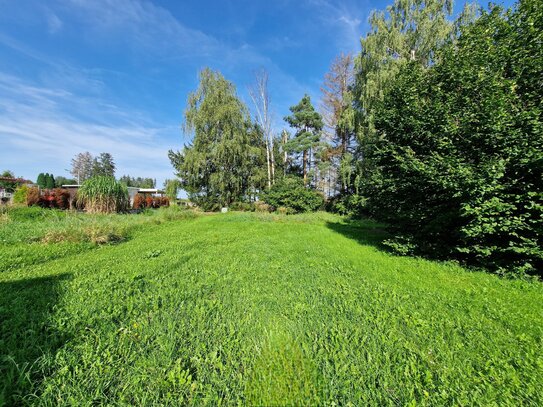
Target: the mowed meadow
(174, 307)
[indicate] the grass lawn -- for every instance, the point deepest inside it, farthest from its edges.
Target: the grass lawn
(252, 309)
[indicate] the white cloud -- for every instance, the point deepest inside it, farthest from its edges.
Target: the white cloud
(343, 18)
(35, 129)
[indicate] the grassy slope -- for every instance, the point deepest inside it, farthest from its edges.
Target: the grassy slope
(265, 310)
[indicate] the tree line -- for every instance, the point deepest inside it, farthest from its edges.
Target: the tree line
(435, 127)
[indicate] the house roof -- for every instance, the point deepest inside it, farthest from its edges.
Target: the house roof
(17, 180)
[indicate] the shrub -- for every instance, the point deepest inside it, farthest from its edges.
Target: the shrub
(283, 210)
(458, 169)
(62, 198)
(242, 206)
(33, 196)
(290, 192)
(20, 194)
(349, 204)
(103, 195)
(139, 201)
(263, 207)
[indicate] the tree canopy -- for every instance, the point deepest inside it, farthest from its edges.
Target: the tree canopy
(219, 165)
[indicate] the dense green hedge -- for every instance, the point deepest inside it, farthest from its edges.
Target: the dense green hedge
(459, 163)
(290, 192)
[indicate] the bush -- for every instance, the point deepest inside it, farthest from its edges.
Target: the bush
(263, 207)
(62, 198)
(33, 196)
(283, 210)
(20, 194)
(458, 169)
(148, 202)
(291, 193)
(139, 201)
(352, 205)
(242, 206)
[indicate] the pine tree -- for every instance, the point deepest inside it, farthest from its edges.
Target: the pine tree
(308, 124)
(103, 165)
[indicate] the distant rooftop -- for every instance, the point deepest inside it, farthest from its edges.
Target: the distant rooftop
(17, 180)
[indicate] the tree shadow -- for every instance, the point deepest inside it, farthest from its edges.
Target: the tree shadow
(364, 231)
(27, 337)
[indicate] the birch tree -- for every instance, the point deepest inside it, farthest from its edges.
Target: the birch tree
(261, 101)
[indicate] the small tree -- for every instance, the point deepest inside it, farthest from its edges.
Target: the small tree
(20, 194)
(172, 187)
(41, 180)
(49, 181)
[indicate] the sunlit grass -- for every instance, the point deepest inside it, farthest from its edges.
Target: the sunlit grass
(260, 309)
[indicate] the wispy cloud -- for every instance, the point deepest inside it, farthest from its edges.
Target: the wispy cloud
(345, 18)
(54, 23)
(33, 123)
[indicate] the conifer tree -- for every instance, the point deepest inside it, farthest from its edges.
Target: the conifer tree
(308, 124)
(41, 180)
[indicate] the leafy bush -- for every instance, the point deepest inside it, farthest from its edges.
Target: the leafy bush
(139, 201)
(348, 204)
(19, 196)
(242, 206)
(62, 198)
(33, 196)
(263, 207)
(459, 166)
(290, 192)
(104, 195)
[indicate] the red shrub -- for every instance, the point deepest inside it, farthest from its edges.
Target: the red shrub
(47, 199)
(139, 201)
(33, 196)
(149, 202)
(62, 198)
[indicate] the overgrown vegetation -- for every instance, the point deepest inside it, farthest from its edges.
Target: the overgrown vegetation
(103, 194)
(458, 170)
(290, 192)
(203, 312)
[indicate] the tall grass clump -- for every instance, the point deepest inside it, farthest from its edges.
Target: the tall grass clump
(103, 195)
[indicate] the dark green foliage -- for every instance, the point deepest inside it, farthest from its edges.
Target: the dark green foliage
(60, 181)
(308, 124)
(103, 166)
(458, 167)
(290, 192)
(49, 181)
(347, 204)
(242, 206)
(9, 185)
(139, 182)
(41, 180)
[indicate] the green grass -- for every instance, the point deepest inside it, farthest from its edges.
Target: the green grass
(258, 309)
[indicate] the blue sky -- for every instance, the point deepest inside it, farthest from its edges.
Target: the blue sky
(113, 75)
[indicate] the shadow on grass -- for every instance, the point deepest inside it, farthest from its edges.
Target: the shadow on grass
(27, 339)
(364, 231)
